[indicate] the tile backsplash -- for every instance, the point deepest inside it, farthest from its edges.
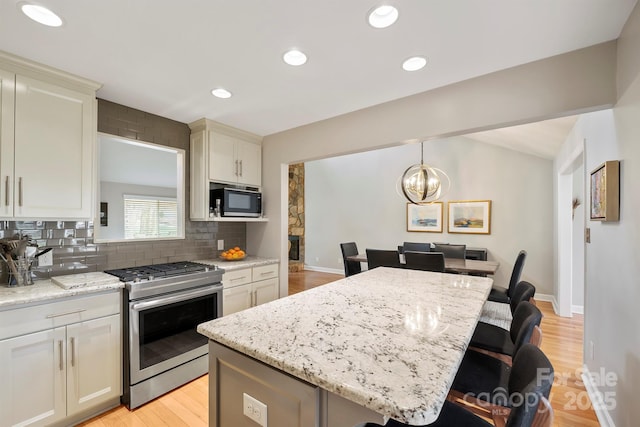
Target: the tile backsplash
(74, 250)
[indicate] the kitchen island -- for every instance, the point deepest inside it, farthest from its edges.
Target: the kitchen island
(383, 343)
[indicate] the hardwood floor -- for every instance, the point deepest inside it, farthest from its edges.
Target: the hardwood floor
(562, 343)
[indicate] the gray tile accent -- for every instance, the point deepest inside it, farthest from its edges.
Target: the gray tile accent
(74, 249)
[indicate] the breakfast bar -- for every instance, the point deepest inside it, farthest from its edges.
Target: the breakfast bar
(382, 344)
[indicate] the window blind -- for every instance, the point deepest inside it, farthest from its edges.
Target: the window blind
(149, 217)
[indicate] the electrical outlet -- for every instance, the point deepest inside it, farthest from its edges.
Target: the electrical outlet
(45, 259)
(254, 409)
(221, 245)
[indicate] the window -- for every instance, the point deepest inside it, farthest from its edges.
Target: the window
(150, 217)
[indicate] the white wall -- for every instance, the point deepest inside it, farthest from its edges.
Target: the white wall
(354, 198)
(112, 193)
(577, 239)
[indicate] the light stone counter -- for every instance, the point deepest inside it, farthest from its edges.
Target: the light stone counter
(390, 340)
(248, 262)
(47, 290)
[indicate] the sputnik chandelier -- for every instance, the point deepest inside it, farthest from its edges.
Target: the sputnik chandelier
(422, 184)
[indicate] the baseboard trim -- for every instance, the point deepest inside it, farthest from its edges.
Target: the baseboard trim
(323, 269)
(577, 309)
(596, 396)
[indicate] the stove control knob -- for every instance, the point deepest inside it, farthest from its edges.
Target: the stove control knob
(150, 277)
(136, 280)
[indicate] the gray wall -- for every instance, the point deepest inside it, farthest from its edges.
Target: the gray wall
(74, 249)
(613, 256)
(354, 198)
(575, 82)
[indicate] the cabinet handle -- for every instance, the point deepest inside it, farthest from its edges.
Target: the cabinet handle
(236, 171)
(51, 316)
(238, 278)
(20, 191)
(60, 350)
(73, 351)
(266, 273)
(6, 191)
(240, 167)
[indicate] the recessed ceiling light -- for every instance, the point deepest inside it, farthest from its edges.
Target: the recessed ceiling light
(221, 93)
(383, 16)
(41, 14)
(294, 57)
(414, 64)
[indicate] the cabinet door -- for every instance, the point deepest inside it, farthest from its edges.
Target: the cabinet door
(265, 291)
(7, 90)
(236, 299)
(249, 158)
(54, 146)
(93, 363)
(33, 378)
(222, 158)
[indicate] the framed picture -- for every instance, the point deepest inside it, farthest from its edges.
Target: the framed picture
(470, 217)
(427, 217)
(605, 192)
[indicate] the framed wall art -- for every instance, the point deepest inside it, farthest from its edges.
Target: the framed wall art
(426, 217)
(605, 192)
(470, 217)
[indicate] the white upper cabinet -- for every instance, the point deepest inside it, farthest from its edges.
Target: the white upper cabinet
(221, 154)
(47, 151)
(234, 161)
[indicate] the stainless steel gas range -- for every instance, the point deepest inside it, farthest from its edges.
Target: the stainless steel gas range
(166, 302)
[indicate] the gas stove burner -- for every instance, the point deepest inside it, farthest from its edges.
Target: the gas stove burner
(151, 272)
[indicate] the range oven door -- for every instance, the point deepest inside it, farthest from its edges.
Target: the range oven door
(162, 329)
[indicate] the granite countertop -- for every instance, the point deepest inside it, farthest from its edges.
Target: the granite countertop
(388, 339)
(48, 290)
(248, 262)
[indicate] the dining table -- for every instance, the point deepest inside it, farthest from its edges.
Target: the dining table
(451, 265)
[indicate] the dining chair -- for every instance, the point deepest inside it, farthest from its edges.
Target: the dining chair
(451, 251)
(486, 381)
(426, 261)
(499, 314)
(526, 393)
(502, 344)
(350, 267)
(416, 246)
(500, 294)
(383, 258)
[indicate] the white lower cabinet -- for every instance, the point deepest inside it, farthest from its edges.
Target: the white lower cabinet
(249, 287)
(51, 375)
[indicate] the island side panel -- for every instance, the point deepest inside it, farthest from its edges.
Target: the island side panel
(290, 402)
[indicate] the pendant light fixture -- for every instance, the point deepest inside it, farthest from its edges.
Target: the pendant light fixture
(422, 183)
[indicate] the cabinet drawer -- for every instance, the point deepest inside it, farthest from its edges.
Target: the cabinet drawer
(236, 277)
(35, 318)
(265, 272)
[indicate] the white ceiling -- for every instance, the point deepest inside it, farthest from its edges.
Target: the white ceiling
(164, 57)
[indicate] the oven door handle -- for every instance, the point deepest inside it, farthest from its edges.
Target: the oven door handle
(183, 296)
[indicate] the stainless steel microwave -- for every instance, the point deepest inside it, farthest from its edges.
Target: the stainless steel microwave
(236, 202)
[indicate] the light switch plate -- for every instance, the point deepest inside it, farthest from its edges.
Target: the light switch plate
(254, 409)
(221, 245)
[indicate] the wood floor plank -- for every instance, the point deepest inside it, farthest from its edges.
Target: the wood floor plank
(561, 342)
